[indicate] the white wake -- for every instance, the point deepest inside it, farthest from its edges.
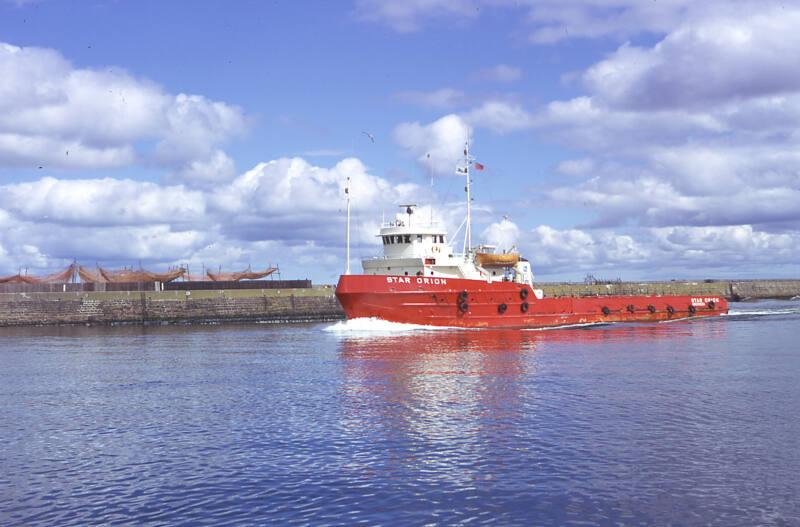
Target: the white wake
(376, 325)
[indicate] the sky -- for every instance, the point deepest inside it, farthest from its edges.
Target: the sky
(620, 138)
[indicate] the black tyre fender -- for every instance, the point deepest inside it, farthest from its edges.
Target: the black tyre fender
(523, 293)
(523, 307)
(462, 296)
(692, 309)
(606, 311)
(631, 308)
(502, 308)
(463, 307)
(651, 308)
(670, 310)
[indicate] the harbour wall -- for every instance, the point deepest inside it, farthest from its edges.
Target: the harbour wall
(730, 289)
(316, 303)
(157, 307)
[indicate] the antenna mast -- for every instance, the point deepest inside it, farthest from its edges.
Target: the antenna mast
(347, 243)
(464, 171)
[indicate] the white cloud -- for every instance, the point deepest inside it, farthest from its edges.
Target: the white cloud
(500, 117)
(659, 252)
(194, 125)
(721, 56)
(503, 234)
(101, 202)
(438, 146)
(409, 15)
(279, 211)
(577, 167)
(55, 115)
(499, 73)
(546, 21)
(217, 169)
(699, 129)
(574, 249)
(443, 98)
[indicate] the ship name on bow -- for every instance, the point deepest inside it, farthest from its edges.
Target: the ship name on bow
(418, 280)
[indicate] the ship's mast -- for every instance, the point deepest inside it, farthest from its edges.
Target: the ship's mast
(465, 171)
(347, 243)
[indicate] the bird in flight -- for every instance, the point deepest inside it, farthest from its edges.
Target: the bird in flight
(371, 137)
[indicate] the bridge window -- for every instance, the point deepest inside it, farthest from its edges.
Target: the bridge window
(408, 238)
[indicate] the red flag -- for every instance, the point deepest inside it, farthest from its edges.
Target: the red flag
(478, 166)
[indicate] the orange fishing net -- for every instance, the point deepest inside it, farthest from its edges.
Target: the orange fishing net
(60, 277)
(127, 275)
(247, 274)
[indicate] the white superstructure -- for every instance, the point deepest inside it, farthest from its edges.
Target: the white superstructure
(424, 250)
(411, 248)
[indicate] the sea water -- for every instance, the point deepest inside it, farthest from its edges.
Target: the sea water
(369, 423)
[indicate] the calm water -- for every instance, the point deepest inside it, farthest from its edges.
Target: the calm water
(682, 424)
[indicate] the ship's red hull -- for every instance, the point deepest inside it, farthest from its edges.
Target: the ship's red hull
(477, 304)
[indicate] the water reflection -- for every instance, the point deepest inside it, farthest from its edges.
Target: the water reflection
(442, 403)
(427, 396)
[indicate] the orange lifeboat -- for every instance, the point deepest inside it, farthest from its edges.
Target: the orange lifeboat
(496, 260)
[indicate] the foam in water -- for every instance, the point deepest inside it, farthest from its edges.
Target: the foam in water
(764, 308)
(763, 312)
(377, 325)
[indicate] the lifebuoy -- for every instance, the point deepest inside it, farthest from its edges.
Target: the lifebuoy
(670, 310)
(692, 309)
(463, 307)
(523, 293)
(606, 311)
(436, 249)
(502, 308)
(651, 308)
(631, 308)
(462, 296)
(523, 307)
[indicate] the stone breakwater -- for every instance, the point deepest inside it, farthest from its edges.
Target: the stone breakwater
(152, 307)
(300, 305)
(731, 289)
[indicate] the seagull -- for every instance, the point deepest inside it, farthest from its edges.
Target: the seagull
(371, 137)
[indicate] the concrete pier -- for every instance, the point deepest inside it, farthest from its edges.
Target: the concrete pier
(731, 289)
(158, 307)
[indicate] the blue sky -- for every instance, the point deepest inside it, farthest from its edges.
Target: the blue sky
(621, 138)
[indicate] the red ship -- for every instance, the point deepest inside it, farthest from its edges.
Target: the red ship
(422, 280)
